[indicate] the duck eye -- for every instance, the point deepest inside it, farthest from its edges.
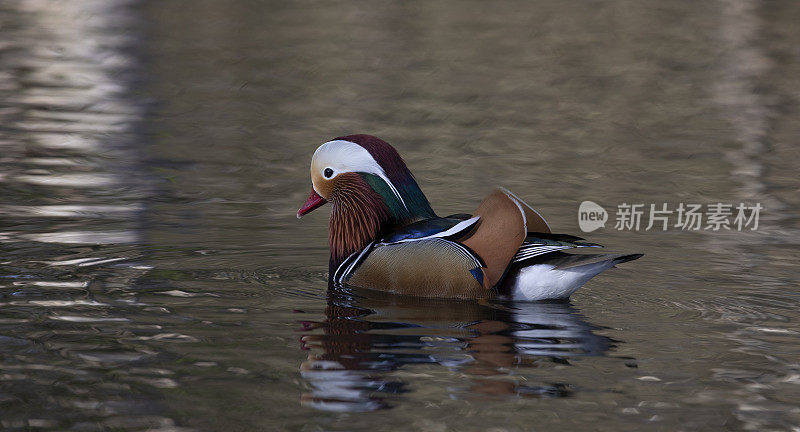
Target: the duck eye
(328, 173)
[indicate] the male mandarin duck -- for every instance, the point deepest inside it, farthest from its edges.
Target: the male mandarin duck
(384, 235)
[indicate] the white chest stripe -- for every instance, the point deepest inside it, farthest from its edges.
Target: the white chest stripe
(346, 273)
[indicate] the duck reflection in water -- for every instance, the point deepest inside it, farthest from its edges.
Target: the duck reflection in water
(367, 334)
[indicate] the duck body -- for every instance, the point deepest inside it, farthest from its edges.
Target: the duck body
(384, 235)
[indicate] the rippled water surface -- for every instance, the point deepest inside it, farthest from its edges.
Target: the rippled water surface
(153, 154)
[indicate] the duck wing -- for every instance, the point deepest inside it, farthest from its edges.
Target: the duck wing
(505, 221)
(537, 244)
(446, 227)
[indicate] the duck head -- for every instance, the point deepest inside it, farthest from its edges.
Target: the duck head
(370, 189)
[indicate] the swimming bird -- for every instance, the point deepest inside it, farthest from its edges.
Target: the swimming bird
(384, 235)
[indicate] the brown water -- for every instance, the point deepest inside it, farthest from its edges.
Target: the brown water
(154, 276)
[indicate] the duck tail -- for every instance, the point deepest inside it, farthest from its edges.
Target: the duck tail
(566, 261)
(625, 258)
(557, 275)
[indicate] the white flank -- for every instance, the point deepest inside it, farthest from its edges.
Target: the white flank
(544, 282)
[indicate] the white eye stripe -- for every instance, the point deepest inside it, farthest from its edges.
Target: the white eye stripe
(344, 156)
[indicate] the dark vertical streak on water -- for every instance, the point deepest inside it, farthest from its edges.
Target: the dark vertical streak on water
(74, 195)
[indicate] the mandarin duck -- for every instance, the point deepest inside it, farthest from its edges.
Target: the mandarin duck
(384, 235)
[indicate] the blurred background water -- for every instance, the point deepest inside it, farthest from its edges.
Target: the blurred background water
(154, 277)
